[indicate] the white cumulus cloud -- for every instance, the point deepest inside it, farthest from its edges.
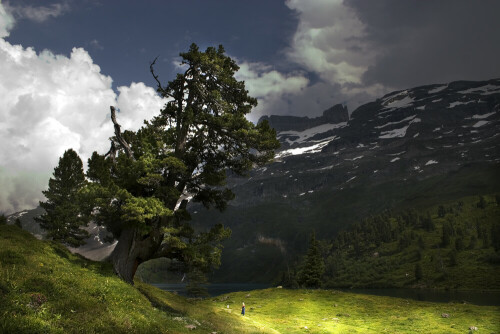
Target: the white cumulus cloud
(330, 41)
(51, 103)
(268, 85)
(6, 22)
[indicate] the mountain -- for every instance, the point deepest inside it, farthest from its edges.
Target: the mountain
(95, 248)
(414, 148)
(411, 148)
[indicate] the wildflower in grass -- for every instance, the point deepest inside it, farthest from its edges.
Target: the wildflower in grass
(37, 300)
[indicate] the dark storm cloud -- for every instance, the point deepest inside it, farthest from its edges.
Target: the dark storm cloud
(424, 42)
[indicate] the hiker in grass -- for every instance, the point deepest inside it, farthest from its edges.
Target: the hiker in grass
(243, 309)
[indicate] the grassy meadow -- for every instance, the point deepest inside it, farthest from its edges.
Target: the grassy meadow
(46, 289)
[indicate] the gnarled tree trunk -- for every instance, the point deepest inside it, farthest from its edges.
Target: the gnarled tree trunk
(131, 250)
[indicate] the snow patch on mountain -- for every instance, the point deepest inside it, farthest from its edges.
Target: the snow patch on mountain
(431, 162)
(483, 90)
(352, 178)
(308, 133)
(396, 154)
(457, 103)
(482, 116)
(405, 102)
(437, 89)
(410, 118)
(398, 133)
(307, 149)
(480, 123)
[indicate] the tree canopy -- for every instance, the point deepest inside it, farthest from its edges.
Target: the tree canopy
(140, 189)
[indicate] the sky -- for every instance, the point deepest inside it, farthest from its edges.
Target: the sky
(64, 62)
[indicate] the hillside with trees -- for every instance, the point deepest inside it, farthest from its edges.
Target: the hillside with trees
(454, 245)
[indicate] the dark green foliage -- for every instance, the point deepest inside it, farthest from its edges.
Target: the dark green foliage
(495, 236)
(482, 203)
(421, 243)
(10, 257)
(473, 242)
(288, 278)
(312, 270)
(428, 223)
(3, 219)
(62, 218)
(453, 258)
(441, 211)
(447, 233)
(418, 272)
(443, 253)
(459, 244)
(196, 283)
(405, 240)
(18, 223)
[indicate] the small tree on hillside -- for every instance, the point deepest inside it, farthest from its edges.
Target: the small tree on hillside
(313, 268)
(62, 218)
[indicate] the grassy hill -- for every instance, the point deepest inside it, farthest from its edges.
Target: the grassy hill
(46, 289)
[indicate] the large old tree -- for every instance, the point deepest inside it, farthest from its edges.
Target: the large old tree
(139, 189)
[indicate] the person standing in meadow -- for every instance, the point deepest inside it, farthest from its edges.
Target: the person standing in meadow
(243, 309)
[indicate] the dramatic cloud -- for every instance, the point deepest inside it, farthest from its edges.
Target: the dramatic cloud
(330, 41)
(358, 50)
(40, 13)
(424, 42)
(6, 22)
(330, 46)
(269, 85)
(51, 103)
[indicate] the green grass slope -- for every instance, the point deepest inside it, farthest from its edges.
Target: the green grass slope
(46, 289)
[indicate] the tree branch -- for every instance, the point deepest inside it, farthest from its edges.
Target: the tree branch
(123, 143)
(160, 87)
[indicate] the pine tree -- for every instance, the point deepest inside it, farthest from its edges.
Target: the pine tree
(140, 188)
(62, 218)
(418, 272)
(312, 270)
(3, 219)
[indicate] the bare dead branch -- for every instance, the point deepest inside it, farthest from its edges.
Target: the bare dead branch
(123, 143)
(160, 87)
(112, 152)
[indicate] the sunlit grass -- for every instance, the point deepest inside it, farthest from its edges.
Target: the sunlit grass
(81, 296)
